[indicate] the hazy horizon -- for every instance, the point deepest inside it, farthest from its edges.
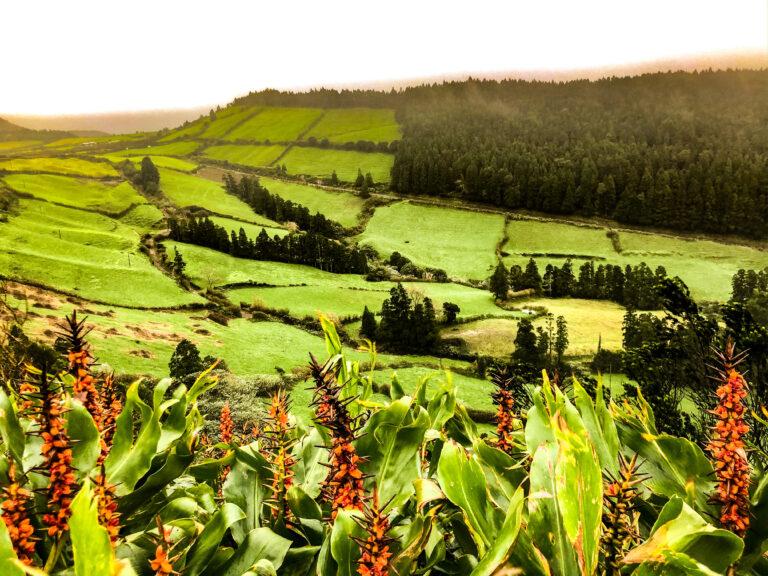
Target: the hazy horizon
(90, 58)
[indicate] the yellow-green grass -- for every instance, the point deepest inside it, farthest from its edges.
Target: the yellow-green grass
(323, 162)
(487, 337)
(247, 155)
(461, 242)
(159, 161)
(86, 194)
(343, 125)
(705, 266)
(142, 218)
(342, 207)
(251, 230)
(15, 145)
(83, 253)
(186, 190)
(275, 125)
(192, 129)
(72, 166)
(69, 142)
(182, 148)
(225, 122)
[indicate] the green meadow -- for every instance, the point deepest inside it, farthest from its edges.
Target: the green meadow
(142, 217)
(16, 145)
(111, 198)
(182, 148)
(323, 162)
(193, 129)
(705, 266)
(342, 207)
(275, 125)
(342, 125)
(83, 253)
(186, 190)
(70, 166)
(258, 156)
(225, 122)
(159, 161)
(251, 229)
(460, 242)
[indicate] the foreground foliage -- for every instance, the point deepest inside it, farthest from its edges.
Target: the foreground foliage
(403, 484)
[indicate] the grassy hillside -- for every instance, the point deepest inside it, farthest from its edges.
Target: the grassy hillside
(275, 125)
(323, 162)
(68, 166)
(342, 125)
(246, 155)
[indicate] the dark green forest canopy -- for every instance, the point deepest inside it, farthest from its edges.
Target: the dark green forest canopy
(686, 151)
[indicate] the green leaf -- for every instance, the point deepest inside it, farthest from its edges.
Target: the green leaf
(245, 488)
(599, 425)
(7, 554)
(10, 429)
(502, 546)
(309, 470)
(411, 540)
(391, 440)
(463, 481)
(579, 494)
(442, 406)
(344, 550)
(502, 473)
(90, 541)
(84, 435)
(545, 525)
(681, 530)
(260, 544)
(299, 561)
(205, 546)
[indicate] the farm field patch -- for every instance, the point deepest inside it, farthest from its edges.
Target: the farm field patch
(342, 207)
(84, 194)
(342, 125)
(323, 162)
(182, 148)
(256, 155)
(142, 217)
(461, 242)
(83, 253)
(71, 166)
(225, 122)
(186, 190)
(15, 145)
(159, 161)
(192, 129)
(251, 229)
(275, 125)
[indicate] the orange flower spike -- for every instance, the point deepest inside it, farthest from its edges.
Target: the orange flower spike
(374, 550)
(16, 518)
(277, 447)
(80, 361)
(727, 446)
(504, 399)
(106, 500)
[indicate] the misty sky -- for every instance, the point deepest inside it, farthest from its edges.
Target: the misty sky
(92, 56)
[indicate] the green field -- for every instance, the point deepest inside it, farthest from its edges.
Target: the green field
(159, 161)
(705, 266)
(15, 145)
(342, 207)
(342, 125)
(71, 166)
(275, 125)
(192, 129)
(460, 242)
(175, 149)
(142, 217)
(83, 253)
(85, 194)
(186, 190)
(226, 121)
(251, 230)
(245, 155)
(322, 162)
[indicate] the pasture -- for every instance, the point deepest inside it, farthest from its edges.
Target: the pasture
(460, 242)
(159, 161)
(322, 162)
(142, 217)
(704, 265)
(16, 145)
(258, 156)
(83, 253)
(342, 125)
(183, 148)
(186, 190)
(343, 207)
(226, 121)
(192, 129)
(251, 230)
(275, 125)
(67, 166)
(110, 198)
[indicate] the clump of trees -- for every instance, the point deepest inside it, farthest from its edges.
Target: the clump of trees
(406, 267)
(544, 346)
(408, 322)
(631, 286)
(310, 249)
(250, 191)
(147, 176)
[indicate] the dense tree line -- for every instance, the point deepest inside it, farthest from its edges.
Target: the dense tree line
(310, 249)
(250, 191)
(749, 284)
(631, 286)
(683, 151)
(408, 323)
(545, 346)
